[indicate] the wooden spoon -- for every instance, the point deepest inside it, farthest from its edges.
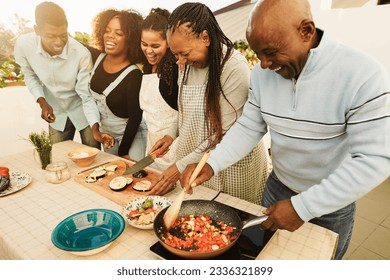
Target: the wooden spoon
(173, 210)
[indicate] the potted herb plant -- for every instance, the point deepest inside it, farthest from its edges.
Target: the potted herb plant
(43, 146)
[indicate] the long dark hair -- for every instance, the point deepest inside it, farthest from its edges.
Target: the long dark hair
(131, 22)
(198, 17)
(157, 21)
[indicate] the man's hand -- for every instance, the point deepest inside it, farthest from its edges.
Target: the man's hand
(282, 215)
(46, 110)
(204, 175)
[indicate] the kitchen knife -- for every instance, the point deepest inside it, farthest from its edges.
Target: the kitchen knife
(141, 164)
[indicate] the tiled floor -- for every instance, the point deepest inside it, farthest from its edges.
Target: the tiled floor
(371, 235)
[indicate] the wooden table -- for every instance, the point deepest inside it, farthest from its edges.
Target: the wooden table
(28, 217)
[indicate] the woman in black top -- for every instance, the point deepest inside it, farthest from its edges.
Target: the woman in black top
(116, 81)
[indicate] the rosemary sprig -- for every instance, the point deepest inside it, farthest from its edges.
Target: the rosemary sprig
(40, 141)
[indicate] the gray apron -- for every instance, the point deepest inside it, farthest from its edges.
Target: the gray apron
(246, 178)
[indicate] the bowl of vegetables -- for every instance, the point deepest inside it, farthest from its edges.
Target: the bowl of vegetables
(141, 212)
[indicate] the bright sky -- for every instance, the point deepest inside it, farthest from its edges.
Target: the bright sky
(81, 12)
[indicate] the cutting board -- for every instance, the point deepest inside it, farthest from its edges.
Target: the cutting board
(101, 186)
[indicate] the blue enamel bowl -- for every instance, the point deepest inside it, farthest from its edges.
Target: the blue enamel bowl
(88, 232)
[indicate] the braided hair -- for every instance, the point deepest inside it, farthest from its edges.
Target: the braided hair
(198, 18)
(157, 21)
(131, 22)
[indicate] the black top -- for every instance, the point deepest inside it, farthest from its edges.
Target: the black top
(123, 100)
(169, 93)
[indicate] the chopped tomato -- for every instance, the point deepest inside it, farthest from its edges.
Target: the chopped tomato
(4, 171)
(200, 234)
(149, 210)
(133, 213)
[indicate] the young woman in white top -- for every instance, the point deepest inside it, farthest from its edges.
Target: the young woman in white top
(158, 94)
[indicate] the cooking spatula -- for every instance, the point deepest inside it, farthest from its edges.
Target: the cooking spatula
(173, 210)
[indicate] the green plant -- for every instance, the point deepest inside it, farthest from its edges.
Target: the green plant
(41, 142)
(82, 37)
(10, 72)
(246, 50)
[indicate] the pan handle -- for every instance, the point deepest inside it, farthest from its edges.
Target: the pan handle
(255, 221)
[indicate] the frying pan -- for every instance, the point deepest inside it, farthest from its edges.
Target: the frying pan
(217, 212)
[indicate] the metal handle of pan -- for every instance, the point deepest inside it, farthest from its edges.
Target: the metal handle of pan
(255, 221)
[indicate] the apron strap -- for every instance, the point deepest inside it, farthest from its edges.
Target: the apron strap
(97, 62)
(119, 79)
(115, 83)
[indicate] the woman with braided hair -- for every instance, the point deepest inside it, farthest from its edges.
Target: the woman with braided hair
(212, 92)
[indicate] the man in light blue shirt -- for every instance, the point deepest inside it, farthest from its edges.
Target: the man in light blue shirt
(327, 108)
(56, 70)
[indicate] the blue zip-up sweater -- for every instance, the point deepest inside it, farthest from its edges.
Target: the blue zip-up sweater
(330, 129)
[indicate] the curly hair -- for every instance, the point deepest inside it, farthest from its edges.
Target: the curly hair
(130, 21)
(157, 21)
(197, 17)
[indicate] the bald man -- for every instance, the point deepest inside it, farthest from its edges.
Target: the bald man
(327, 107)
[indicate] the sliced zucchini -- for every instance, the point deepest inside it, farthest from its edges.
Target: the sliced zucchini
(111, 168)
(4, 183)
(142, 186)
(118, 183)
(129, 180)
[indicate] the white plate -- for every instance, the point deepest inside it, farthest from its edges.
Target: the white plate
(158, 201)
(19, 180)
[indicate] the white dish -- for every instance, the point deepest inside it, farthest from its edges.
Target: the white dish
(19, 180)
(158, 201)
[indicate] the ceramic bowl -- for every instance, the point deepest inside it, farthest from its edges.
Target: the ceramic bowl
(159, 202)
(83, 156)
(88, 232)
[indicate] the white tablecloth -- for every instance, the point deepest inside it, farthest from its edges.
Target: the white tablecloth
(28, 217)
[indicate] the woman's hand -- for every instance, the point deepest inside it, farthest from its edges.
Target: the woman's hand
(106, 139)
(161, 147)
(165, 181)
(204, 175)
